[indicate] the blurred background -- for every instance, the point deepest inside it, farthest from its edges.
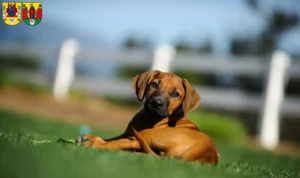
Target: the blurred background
(224, 48)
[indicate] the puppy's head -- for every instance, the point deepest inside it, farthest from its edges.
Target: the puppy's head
(165, 93)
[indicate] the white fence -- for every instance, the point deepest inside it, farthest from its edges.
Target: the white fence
(218, 98)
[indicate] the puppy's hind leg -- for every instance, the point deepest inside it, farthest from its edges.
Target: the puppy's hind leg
(201, 154)
(143, 143)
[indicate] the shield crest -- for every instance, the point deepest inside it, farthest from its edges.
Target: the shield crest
(32, 13)
(11, 12)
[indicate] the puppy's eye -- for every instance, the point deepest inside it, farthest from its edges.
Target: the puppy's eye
(154, 85)
(174, 94)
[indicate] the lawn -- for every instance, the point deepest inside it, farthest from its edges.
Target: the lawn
(19, 157)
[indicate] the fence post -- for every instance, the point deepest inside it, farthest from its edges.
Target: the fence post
(163, 56)
(270, 123)
(65, 69)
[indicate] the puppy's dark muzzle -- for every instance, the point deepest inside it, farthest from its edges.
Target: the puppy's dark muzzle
(158, 102)
(157, 105)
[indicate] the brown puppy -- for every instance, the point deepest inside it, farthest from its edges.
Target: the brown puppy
(162, 127)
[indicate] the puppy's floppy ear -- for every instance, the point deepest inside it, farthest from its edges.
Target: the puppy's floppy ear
(191, 98)
(140, 82)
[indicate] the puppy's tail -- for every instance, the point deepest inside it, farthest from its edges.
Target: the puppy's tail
(143, 143)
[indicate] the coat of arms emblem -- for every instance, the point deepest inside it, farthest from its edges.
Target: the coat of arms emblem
(11, 12)
(32, 13)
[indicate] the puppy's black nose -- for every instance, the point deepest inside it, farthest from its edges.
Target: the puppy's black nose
(158, 101)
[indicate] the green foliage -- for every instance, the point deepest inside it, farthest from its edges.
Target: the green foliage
(191, 76)
(8, 62)
(77, 94)
(128, 72)
(8, 80)
(19, 157)
(185, 46)
(265, 43)
(30, 87)
(5, 78)
(122, 101)
(282, 21)
(220, 127)
(137, 41)
(17, 61)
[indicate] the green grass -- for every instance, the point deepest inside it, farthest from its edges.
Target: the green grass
(221, 127)
(19, 157)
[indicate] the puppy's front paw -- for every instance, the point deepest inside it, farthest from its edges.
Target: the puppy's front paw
(90, 140)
